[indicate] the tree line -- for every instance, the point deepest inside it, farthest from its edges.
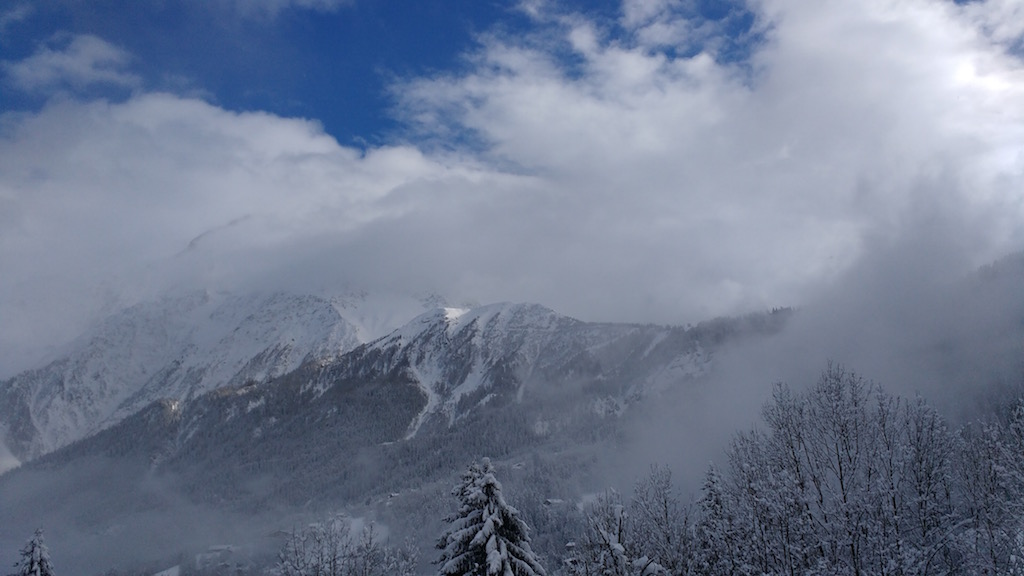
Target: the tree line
(844, 479)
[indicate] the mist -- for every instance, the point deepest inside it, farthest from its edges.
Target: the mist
(913, 314)
(115, 522)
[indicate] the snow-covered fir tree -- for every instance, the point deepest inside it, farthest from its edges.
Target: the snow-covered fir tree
(716, 532)
(486, 537)
(35, 558)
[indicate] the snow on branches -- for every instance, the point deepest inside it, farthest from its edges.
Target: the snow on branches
(486, 537)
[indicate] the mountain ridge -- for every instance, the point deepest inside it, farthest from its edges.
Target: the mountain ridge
(175, 348)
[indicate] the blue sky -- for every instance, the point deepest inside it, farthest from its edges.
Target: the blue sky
(331, 61)
(640, 160)
(331, 64)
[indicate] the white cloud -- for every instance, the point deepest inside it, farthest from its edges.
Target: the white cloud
(103, 203)
(736, 191)
(629, 187)
(669, 23)
(1001, 20)
(81, 62)
(14, 15)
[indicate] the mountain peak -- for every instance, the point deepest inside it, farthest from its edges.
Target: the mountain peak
(177, 347)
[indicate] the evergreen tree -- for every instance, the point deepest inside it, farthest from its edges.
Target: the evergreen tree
(35, 558)
(485, 537)
(716, 531)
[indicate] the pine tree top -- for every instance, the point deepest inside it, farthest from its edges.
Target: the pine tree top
(486, 537)
(35, 558)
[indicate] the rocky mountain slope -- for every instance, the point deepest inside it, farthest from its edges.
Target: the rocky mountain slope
(175, 348)
(460, 359)
(383, 423)
(450, 384)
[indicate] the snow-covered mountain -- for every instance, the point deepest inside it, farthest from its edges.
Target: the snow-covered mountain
(266, 403)
(460, 359)
(258, 405)
(452, 382)
(175, 348)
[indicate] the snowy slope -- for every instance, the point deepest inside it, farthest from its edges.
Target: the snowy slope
(452, 381)
(449, 384)
(464, 358)
(175, 348)
(390, 416)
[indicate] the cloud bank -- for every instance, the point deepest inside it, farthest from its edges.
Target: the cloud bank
(620, 170)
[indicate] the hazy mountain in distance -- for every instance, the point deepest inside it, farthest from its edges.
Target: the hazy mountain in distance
(175, 348)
